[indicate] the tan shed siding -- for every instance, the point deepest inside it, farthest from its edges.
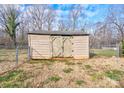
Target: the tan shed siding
(81, 47)
(68, 46)
(40, 46)
(57, 46)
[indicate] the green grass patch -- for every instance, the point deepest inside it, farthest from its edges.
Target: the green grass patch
(114, 74)
(68, 70)
(80, 82)
(9, 76)
(13, 79)
(103, 52)
(54, 78)
(97, 76)
(69, 63)
(87, 66)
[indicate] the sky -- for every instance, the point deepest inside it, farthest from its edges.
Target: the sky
(94, 12)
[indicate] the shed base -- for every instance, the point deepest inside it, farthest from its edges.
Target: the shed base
(81, 57)
(63, 58)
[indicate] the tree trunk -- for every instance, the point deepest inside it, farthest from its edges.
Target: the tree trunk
(14, 41)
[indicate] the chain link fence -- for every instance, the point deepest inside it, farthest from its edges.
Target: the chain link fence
(108, 51)
(11, 57)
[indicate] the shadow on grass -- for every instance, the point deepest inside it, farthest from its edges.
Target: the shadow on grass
(92, 55)
(47, 61)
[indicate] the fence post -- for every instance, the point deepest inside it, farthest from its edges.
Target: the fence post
(17, 55)
(120, 49)
(29, 53)
(117, 52)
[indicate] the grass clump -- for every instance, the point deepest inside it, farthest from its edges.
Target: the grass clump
(87, 66)
(68, 70)
(114, 74)
(80, 82)
(13, 79)
(54, 78)
(69, 63)
(97, 76)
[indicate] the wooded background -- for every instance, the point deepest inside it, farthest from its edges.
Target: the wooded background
(15, 24)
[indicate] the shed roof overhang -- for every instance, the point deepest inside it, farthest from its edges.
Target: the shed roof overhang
(60, 33)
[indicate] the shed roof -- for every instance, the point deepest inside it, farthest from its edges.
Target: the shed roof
(77, 33)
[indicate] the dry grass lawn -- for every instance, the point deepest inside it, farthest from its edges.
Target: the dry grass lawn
(93, 72)
(7, 58)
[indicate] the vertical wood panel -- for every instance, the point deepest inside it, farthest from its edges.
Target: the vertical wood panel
(57, 46)
(81, 47)
(68, 46)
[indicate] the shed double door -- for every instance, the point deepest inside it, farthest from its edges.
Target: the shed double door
(62, 46)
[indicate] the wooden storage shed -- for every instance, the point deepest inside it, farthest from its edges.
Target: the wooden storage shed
(52, 44)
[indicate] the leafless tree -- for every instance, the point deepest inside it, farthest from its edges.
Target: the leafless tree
(74, 15)
(63, 25)
(50, 18)
(117, 22)
(101, 35)
(37, 15)
(9, 20)
(23, 28)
